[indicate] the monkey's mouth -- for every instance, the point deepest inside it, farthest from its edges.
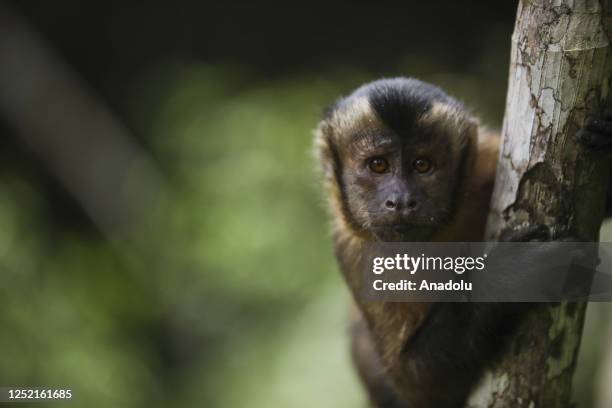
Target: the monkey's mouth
(396, 226)
(402, 228)
(402, 232)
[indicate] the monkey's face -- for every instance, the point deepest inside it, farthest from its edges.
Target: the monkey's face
(400, 187)
(395, 150)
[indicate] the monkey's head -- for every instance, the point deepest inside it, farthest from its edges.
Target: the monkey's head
(394, 153)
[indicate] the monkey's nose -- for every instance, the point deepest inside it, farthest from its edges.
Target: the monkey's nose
(396, 205)
(390, 204)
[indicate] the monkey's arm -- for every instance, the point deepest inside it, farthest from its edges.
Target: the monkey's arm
(436, 365)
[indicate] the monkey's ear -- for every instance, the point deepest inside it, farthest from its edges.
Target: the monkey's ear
(324, 149)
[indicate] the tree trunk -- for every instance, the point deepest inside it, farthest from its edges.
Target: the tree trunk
(559, 74)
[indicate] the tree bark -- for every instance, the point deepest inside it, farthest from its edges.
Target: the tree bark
(559, 74)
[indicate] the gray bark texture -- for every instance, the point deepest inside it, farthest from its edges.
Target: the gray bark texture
(559, 75)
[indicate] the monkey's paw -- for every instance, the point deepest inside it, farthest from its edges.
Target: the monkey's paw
(597, 133)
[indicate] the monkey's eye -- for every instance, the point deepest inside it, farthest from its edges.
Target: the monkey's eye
(422, 165)
(378, 165)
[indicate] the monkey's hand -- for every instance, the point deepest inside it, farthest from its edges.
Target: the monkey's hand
(597, 136)
(597, 133)
(550, 268)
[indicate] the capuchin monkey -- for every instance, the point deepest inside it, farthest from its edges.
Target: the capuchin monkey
(404, 161)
